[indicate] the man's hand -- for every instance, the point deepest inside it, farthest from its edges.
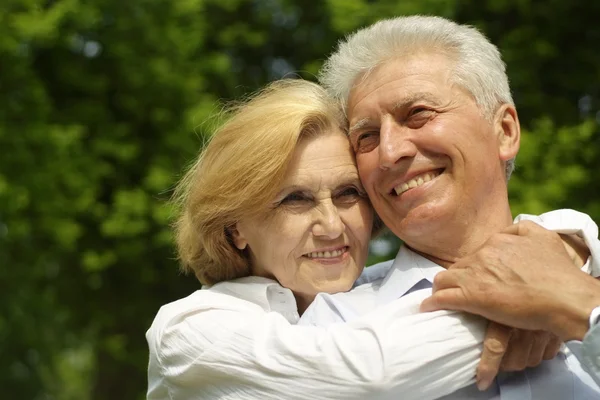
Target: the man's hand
(509, 349)
(522, 277)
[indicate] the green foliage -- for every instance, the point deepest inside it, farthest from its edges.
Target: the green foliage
(104, 103)
(555, 169)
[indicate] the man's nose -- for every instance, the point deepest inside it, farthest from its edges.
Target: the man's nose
(395, 143)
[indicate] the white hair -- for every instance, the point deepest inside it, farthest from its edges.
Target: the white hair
(478, 66)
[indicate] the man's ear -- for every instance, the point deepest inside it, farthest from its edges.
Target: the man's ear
(508, 132)
(239, 240)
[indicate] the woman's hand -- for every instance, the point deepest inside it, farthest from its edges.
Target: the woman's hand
(511, 349)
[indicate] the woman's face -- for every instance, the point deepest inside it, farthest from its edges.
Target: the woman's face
(314, 237)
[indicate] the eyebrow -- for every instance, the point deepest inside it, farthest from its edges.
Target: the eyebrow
(414, 98)
(403, 103)
(359, 125)
(343, 180)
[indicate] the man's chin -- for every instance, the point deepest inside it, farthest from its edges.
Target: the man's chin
(419, 222)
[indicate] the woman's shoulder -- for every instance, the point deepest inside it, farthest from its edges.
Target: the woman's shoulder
(192, 324)
(250, 294)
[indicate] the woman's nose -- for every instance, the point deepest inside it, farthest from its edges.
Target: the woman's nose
(328, 222)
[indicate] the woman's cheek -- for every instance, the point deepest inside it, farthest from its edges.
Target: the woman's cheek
(363, 220)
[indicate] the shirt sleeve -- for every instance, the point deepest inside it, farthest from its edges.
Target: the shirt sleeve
(220, 347)
(572, 222)
(588, 353)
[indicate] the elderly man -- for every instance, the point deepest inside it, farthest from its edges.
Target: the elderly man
(435, 132)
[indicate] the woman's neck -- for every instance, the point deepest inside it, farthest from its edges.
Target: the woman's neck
(303, 301)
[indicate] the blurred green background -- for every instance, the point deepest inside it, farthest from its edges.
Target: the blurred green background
(104, 102)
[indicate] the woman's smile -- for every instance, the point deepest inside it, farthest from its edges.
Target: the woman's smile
(329, 256)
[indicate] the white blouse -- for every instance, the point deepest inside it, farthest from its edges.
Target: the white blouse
(238, 340)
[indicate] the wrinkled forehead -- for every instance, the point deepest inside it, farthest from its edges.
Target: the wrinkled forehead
(324, 157)
(399, 82)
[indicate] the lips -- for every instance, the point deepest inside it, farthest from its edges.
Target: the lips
(417, 181)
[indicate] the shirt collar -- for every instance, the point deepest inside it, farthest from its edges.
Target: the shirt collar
(408, 269)
(266, 293)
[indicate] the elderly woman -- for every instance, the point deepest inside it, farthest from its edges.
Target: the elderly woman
(273, 213)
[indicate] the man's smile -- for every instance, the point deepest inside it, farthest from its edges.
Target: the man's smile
(416, 181)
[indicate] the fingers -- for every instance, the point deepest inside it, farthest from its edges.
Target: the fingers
(524, 228)
(446, 293)
(495, 345)
(513, 350)
(531, 229)
(538, 347)
(519, 350)
(577, 249)
(446, 280)
(553, 347)
(446, 299)
(529, 349)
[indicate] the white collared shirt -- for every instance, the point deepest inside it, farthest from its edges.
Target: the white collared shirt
(408, 281)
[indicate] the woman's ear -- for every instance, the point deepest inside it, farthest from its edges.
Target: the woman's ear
(239, 240)
(508, 131)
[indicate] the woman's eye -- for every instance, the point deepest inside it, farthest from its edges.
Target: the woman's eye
(350, 194)
(294, 198)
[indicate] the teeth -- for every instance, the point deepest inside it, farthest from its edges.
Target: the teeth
(415, 182)
(326, 254)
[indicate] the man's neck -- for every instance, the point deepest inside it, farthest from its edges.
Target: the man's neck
(460, 236)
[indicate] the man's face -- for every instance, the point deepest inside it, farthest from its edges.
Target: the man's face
(425, 154)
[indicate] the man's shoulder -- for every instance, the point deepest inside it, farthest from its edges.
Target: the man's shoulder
(374, 273)
(328, 308)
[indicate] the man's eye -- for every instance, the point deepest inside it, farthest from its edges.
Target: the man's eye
(418, 117)
(366, 142)
(418, 111)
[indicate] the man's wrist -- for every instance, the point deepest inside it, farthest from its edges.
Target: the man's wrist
(578, 311)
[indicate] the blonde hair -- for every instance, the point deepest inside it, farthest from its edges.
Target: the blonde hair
(240, 171)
